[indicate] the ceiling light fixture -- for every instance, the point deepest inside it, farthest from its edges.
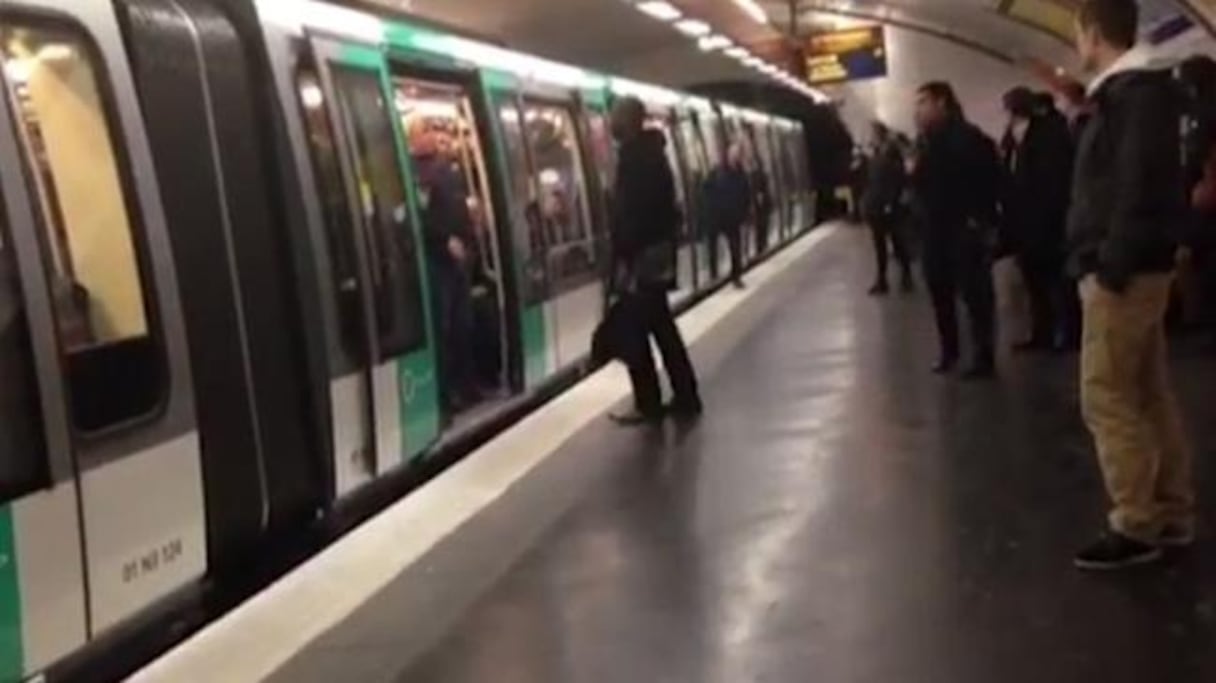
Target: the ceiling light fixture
(694, 28)
(754, 10)
(714, 42)
(737, 53)
(663, 11)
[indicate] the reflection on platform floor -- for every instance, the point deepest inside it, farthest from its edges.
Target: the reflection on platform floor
(841, 515)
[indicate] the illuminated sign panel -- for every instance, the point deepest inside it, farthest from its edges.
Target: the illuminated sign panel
(847, 55)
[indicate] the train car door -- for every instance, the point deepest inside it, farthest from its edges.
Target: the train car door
(561, 209)
(437, 111)
(698, 169)
(386, 412)
(105, 502)
(537, 355)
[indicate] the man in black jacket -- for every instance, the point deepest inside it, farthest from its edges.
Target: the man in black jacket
(643, 243)
(882, 210)
(447, 230)
(1127, 206)
(1038, 167)
(957, 183)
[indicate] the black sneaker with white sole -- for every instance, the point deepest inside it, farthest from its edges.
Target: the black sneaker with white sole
(1114, 551)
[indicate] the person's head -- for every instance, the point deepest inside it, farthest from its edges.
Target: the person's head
(880, 132)
(1073, 95)
(1044, 102)
(1105, 29)
(1019, 103)
(936, 103)
(628, 117)
(424, 140)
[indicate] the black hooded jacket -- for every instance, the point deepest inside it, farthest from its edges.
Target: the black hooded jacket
(1128, 198)
(957, 180)
(644, 200)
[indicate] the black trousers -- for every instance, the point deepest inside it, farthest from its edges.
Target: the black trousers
(1042, 273)
(884, 229)
(650, 316)
(960, 267)
(455, 351)
(734, 243)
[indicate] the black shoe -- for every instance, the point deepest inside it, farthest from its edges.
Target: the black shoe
(980, 370)
(944, 366)
(635, 418)
(738, 283)
(1176, 536)
(1113, 551)
(879, 288)
(685, 410)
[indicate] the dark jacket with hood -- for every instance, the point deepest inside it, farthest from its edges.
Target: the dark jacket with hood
(1128, 200)
(444, 211)
(887, 180)
(957, 180)
(1039, 177)
(644, 199)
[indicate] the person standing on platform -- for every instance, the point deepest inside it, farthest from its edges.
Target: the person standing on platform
(644, 223)
(1127, 206)
(1038, 167)
(957, 183)
(728, 201)
(883, 210)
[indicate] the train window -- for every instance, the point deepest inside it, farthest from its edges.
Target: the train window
(344, 265)
(562, 203)
(534, 269)
(22, 460)
(392, 254)
(115, 368)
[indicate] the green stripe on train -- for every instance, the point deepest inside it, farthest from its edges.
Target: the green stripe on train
(11, 649)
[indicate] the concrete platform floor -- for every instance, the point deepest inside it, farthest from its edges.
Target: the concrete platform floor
(841, 515)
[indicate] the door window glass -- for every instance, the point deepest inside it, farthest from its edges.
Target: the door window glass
(383, 212)
(340, 234)
(525, 208)
(561, 201)
(115, 369)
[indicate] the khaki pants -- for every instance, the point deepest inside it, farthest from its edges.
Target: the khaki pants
(1130, 409)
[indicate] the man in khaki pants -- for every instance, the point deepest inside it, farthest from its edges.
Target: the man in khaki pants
(1127, 205)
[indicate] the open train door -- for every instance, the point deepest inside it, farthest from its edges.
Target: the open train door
(387, 410)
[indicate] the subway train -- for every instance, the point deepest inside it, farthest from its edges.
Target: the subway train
(219, 312)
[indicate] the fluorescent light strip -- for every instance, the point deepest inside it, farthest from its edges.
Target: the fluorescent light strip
(647, 93)
(737, 53)
(715, 42)
(663, 11)
(694, 28)
(754, 10)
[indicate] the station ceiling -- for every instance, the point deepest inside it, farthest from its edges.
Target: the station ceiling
(613, 36)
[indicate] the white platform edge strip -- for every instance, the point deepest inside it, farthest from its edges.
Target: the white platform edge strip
(259, 636)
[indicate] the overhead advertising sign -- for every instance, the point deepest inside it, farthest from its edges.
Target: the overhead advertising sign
(847, 55)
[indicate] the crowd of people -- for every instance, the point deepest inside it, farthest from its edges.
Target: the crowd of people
(1107, 207)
